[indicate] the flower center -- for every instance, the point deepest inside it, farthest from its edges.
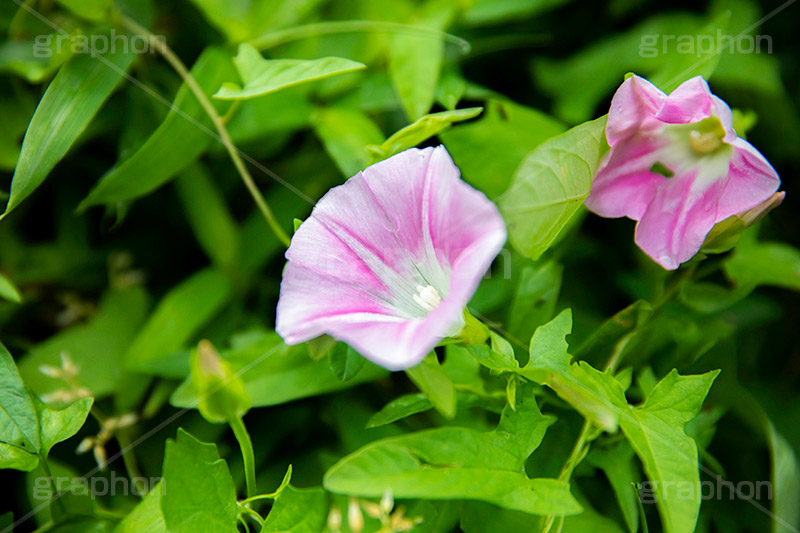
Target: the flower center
(706, 136)
(704, 142)
(427, 297)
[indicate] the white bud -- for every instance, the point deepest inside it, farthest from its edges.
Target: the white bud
(69, 366)
(51, 371)
(354, 517)
(57, 396)
(373, 510)
(387, 502)
(100, 456)
(85, 445)
(126, 420)
(335, 519)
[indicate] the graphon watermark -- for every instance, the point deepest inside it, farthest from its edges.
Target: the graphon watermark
(720, 489)
(652, 45)
(48, 45)
(95, 487)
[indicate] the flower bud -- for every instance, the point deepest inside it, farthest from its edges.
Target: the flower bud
(387, 502)
(335, 519)
(725, 234)
(221, 391)
(354, 517)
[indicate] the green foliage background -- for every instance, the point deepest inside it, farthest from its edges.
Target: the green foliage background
(129, 236)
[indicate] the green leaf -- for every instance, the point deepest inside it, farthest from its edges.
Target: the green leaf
(415, 59)
(432, 381)
(40, 490)
(242, 20)
(346, 133)
(602, 340)
(84, 524)
(616, 461)
(421, 130)
(264, 76)
(69, 104)
(493, 360)
(580, 83)
(180, 139)
(489, 150)
(7, 521)
(550, 186)
(459, 463)
(107, 334)
(173, 323)
(96, 10)
(209, 216)
(28, 428)
(598, 396)
(287, 111)
(199, 493)
(535, 299)
(765, 263)
(451, 88)
(786, 478)
(16, 110)
(705, 297)
(274, 373)
(484, 12)
(412, 404)
(655, 430)
(680, 66)
(345, 361)
(297, 511)
(399, 408)
(146, 516)
(8, 290)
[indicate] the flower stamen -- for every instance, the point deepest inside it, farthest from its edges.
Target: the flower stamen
(704, 142)
(427, 297)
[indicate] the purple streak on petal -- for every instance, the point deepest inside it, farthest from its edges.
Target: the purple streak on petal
(310, 300)
(751, 180)
(402, 201)
(458, 215)
(319, 248)
(632, 108)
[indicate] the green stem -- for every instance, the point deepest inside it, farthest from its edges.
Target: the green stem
(54, 498)
(258, 497)
(674, 286)
(224, 137)
(129, 459)
(240, 431)
(581, 447)
(254, 515)
(273, 39)
(579, 450)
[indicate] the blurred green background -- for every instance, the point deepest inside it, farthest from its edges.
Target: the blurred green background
(127, 275)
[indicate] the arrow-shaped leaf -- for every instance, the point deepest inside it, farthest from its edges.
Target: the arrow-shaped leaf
(28, 428)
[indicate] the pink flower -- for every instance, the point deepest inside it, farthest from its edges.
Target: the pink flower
(388, 261)
(676, 166)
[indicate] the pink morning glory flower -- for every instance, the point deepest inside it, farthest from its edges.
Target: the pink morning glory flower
(676, 166)
(388, 261)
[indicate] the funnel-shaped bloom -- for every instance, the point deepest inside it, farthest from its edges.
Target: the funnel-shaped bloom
(387, 261)
(677, 166)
